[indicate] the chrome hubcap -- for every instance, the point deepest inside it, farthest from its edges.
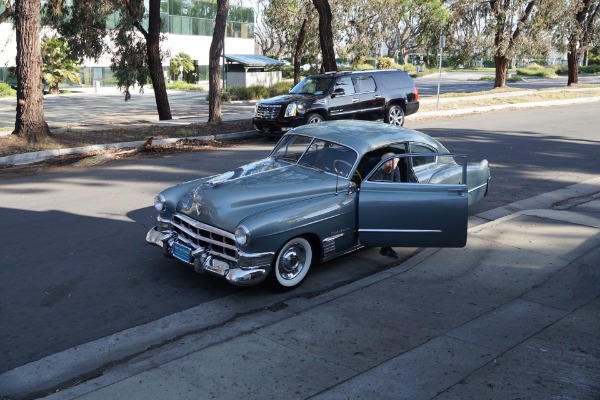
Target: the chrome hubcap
(292, 261)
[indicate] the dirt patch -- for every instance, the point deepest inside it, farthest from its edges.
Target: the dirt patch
(12, 144)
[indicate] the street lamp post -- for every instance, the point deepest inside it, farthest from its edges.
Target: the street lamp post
(442, 43)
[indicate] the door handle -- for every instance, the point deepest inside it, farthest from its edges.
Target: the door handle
(354, 100)
(459, 192)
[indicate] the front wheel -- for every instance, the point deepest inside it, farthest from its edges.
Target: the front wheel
(313, 118)
(292, 264)
(395, 115)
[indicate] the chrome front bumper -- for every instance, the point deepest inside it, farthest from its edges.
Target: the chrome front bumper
(254, 270)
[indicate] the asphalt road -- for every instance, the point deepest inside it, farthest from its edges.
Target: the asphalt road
(74, 266)
(108, 106)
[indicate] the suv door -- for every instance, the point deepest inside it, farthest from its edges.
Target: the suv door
(371, 99)
(404, 214)
(343, 100)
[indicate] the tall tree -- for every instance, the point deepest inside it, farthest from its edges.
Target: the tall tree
(581, 17)
(214, 67)
(83, 24)
(326, 35)
(510, 21)
(30, 122)
(152, 36)
(300, 49)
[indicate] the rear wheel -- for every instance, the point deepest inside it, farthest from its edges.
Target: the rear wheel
(292, 264)
(395, 115)
(313, 118)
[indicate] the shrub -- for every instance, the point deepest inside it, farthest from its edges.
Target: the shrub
(182, 85)
(362, 67)
(280, 88)
(385, 63)
(6, 90)
(536, 70)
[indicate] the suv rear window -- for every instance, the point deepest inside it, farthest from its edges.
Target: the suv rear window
(395, 79)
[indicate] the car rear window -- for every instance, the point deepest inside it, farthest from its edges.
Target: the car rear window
(395, 79)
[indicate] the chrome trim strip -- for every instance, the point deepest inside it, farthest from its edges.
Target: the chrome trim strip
(205, 227)
(256, 255)
(205, 239)
(402, 230)
(477, 187)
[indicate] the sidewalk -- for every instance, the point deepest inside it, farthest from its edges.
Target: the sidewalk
(514, 314)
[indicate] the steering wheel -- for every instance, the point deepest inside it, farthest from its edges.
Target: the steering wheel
(337, 169)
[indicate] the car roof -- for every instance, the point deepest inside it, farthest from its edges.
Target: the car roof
(369, 71)
(364, 136)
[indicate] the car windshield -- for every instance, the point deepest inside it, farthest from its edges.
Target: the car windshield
(316, 153)
(312, 86)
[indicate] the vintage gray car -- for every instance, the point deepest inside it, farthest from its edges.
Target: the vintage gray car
(317, 196)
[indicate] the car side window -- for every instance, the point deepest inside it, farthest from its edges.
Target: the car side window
(421, 160)
(346, 84)
(366, 84)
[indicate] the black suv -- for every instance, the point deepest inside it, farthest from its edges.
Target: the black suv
(387, 94)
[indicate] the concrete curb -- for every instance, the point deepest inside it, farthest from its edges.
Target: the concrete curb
(37, 156)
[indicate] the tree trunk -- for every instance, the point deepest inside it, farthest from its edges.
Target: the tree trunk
(155, 63)
(300, 50)
(501, 68)
(573, 66)
(30, 122)
(326, 35)
(216, 48)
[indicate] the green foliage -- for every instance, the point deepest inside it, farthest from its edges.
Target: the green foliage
(6, 90)
(287, 72)
(406, 67)
(181, 85)
(181, 60)
(385, 63)
(255, 92)
(129, 61)
(536, 70)
(590, 69)
(58, 65)
(513, 78)
(362, 67)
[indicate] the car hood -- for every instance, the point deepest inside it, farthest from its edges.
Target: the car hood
(288, 98)
(225, 200)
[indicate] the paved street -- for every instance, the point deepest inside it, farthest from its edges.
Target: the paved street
(88, 108)
(513, 314)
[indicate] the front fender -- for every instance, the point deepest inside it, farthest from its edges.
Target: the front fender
(324, 217)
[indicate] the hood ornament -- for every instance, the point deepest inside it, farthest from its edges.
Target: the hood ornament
(198, 200)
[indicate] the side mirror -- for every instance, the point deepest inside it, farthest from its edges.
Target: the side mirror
(338, 92)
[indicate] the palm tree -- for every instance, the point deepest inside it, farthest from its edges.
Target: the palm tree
(57, 65)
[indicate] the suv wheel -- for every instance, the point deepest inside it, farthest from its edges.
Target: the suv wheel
(395, 115)
(313, 118)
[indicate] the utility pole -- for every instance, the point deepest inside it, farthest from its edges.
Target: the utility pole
(442, 43)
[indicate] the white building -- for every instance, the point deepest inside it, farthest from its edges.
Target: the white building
(188, 27)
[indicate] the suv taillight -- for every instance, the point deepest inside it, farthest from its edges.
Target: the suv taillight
(416, 94)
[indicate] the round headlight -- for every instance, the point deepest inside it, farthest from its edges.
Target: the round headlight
(242, 235)
(159, 203)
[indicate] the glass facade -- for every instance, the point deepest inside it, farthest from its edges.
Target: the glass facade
(192, 17)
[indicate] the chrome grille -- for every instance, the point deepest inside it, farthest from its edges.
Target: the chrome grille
(267, 111)
(219, 243)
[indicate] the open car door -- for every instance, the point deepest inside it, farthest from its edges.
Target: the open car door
(408, 214)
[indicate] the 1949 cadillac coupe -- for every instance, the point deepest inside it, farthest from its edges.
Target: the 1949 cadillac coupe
(317, 196)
